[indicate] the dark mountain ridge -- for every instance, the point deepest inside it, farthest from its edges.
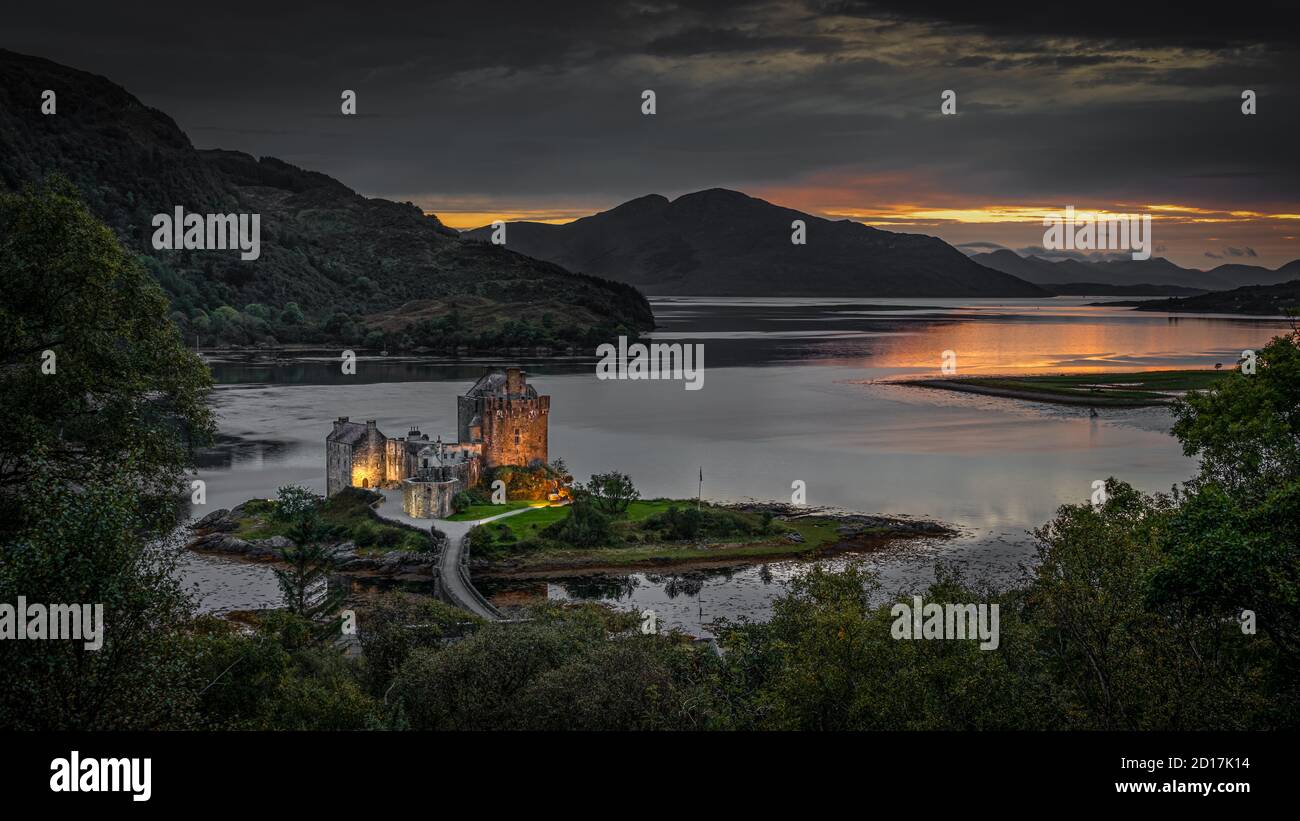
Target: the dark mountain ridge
(338, 260)
(721, 242)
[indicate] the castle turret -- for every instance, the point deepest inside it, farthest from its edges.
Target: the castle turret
(514, 382)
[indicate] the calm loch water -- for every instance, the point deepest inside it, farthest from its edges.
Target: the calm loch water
(793, 390)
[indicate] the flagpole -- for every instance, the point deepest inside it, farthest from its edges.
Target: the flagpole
(700, 493)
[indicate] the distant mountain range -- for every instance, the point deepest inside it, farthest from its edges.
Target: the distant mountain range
(1151, 272)
(723, 243)
(348, 262)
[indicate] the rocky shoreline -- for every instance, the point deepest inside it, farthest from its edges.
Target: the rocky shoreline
(214, 533)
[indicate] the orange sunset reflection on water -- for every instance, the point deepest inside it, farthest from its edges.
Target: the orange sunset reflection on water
(1072, 340)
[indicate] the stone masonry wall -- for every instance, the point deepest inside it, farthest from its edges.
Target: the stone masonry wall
(428, 500)
(338, 467)
(515, 431)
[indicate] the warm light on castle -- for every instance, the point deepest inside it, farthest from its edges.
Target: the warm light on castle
(501, 420)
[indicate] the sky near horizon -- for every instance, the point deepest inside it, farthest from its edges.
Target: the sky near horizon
(527, 110)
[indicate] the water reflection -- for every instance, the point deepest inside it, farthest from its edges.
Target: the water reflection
(793, 390)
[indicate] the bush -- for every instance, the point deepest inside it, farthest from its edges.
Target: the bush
(463, 501)
(415, 543)
(365, 534)
(585, 526)
(682, 524)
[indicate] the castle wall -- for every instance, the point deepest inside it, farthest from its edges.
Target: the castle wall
(429, 500)
(367, 466)
(338, 467)
(464, 460)
(399, 461)
(515, 431)
(465, 408)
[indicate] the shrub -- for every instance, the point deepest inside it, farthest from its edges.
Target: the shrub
(415, 543)
(684, 523)
(585, 526)
(365, 534)
(463, 501)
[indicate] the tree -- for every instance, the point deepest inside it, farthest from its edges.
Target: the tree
(611, 492)
(478, 683)
(1235, 543)
(306, 584)
(292, 314)
(397, 625)
(1115, 663)
(295, 503)
(92, 366)
(89, 548)
(1246, 429)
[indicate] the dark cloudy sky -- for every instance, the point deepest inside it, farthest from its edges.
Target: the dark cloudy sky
(532, 109)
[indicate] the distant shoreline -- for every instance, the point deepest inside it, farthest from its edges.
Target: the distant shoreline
(1110, 390)
(1029, 395)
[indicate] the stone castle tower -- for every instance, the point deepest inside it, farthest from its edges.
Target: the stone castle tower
(500, 421)
(505, 414)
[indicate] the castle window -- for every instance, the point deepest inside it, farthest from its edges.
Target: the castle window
(517, 439)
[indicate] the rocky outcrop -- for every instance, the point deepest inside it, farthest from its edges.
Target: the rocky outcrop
(855, 525)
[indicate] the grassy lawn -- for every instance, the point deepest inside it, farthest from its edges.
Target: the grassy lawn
(476, 512)
(526, 525)
(636, 546)
(1142, 388)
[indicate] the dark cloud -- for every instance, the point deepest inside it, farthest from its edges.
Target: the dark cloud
(526, 104)
(1149, 24)
(709, 40)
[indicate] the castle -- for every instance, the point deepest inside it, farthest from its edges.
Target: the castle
(501, 420)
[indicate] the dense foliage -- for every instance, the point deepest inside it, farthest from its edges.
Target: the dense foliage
(91, 369)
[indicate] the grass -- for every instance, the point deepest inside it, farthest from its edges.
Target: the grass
(1124, 389)
(817, 533)
(527, 525)
(348, 513)
(476, 512)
